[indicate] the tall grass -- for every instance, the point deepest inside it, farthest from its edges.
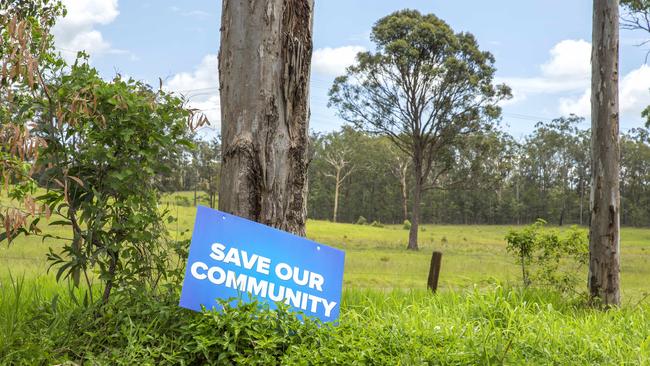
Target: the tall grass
(499, 325)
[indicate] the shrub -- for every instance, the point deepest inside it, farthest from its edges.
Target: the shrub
(549, 258)
(114, 219)
(444, 240)
(406, 225)
(376, 224)
(183, 201)
(362, 221)
(522, 245)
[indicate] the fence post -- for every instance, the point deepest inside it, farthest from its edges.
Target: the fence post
(434, 271)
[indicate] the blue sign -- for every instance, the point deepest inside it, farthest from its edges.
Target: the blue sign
(231, 256)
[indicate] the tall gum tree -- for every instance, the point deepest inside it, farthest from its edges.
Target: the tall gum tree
(337, 156)
(425, 88)
(604, 231)
(264, 68)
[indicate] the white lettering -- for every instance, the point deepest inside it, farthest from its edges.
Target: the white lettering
(233, 257)
(303, 304)
(328, 307)
(217, 251)
(291, 297)
(257, 288)
(248, 262)
(216, 281)
(316, 281)
(238, 282)
(314, 302)
(263, 265)
(300, 281)
(280, 294)
(195, 272)
(283, 276)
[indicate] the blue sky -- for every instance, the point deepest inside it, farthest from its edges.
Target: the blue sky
(541, 48)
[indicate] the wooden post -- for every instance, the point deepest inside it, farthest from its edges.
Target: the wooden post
(434, 271)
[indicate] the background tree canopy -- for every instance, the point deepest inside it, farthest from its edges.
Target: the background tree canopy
(543, 175)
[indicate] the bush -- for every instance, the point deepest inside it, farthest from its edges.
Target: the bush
(444, 240)
(104, 161)
(139, 328)
(549, 258)
(376, 224)
(362, 221)
(183, 201)
(406, 225)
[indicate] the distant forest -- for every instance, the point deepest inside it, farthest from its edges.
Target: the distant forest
(492, 178)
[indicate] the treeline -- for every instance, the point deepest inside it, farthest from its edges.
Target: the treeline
(495, 178)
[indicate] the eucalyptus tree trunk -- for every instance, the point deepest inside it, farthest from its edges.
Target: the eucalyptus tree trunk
(415, 216)
(582, 193)
(405, 198)
(415, 210)
(338, 162)
(604, 239)
(402, 170)
(264, 69)
(336, 194)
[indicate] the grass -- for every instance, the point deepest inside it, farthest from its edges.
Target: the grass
(388, 317)
(375, 257)
(498, 325)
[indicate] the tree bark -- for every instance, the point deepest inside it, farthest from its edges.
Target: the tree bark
(194, 194)
(264, 70)
(517, 200)
(111, 276)
(415, 212)
(336, 194)
(582, 194)
(604, 240)
(402, 178)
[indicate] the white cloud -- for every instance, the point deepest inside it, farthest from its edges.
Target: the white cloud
(580, 106)
(201, 88)
(567, 74)
(197, 13)
(333, 61)
(191, 13)
(567, 70)
(522, 87)
(569, 59)
(635, 91)
(634, 96)
(76, 31)
(205, 75)
(514, 100)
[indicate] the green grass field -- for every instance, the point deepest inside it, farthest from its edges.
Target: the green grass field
(481, 315)
(376, 257)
